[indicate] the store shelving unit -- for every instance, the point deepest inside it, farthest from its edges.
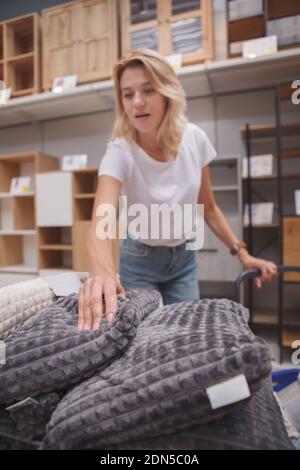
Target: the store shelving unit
(18, 230)
(170, 27)
(20, 54)
(215, 264)
(80, 38)
(200, 81)
(285, 231)
(258, 18)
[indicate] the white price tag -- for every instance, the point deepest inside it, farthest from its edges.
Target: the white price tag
(63, 284)
(228, 392)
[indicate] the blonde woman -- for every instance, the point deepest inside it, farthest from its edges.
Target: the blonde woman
(155, 157)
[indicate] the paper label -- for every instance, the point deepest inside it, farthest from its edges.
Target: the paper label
(228, 392)
(63, 284)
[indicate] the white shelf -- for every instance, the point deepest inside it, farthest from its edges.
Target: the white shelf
(197, 80)
(19, 268)
(7, 195)
(18, 232)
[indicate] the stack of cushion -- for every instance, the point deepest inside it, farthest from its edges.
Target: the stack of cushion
(142, 382)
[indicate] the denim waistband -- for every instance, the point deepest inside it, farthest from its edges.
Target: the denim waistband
(180, 247)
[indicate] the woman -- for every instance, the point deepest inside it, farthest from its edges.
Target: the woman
(155, 157)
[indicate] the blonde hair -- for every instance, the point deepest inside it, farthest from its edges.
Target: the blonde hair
(164, 80)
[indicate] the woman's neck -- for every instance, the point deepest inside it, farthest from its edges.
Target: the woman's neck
(151, 146)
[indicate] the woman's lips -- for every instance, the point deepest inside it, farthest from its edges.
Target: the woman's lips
(142, 117)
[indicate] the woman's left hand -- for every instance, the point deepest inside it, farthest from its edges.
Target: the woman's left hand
(268, 268)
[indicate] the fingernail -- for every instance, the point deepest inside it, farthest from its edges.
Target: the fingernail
(110, 317)
(96, 326)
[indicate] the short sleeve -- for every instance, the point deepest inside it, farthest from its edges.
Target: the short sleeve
(206, 149)
(116, 162)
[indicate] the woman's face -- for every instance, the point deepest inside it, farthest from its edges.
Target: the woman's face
(144, 106)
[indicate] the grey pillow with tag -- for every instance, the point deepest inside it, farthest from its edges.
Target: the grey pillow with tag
(161, 382)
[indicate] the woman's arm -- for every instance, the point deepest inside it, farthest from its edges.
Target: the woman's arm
(100, 252)
(103, 282)
(216, 220)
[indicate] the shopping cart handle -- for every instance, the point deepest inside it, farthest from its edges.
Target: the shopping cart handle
(257, 272)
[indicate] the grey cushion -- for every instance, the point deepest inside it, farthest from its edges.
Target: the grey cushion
(160, 381)
(26, 421)
(47, 352)
(254, 424)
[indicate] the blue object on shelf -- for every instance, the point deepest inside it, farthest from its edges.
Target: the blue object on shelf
(283, 378)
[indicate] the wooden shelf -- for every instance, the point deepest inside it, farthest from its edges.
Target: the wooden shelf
(269, 317)
(85, 196)
(18, 236)
(246, 28)
(291, 246)
(17, 232)
(10, 195)
(289, 336)
(279, 9)
(293, 153)
(269, 130)
(21, 58)
(223, 75)
(255, 23)
(264, 317)
(56, 247)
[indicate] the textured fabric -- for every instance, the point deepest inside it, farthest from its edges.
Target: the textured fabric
(26, 420)
(255, 424)
(148, 181)
(48, 353)
(171, 271)
(160, 381)
(22, 300)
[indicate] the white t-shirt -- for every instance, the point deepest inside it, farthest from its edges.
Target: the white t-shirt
(148, 181)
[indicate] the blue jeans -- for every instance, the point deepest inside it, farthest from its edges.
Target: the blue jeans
(172, 271)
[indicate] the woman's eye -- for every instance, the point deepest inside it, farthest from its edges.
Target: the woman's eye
(149, 90)
(128, 95)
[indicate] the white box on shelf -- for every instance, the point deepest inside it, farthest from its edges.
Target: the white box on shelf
(66, 83)
(260, 165)
(21, 185)
(259, 47)
(297, 201)
(74, 162)
(5, 94)
(261, 213)
(54, 206)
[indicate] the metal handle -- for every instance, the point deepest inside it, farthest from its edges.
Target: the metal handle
(257, 272)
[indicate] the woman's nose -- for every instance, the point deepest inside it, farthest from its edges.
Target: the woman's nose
(138, 99)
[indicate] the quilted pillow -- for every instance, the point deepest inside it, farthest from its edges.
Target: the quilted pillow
(161, 381)
(254, 424)
(48, 353)
(22, 300)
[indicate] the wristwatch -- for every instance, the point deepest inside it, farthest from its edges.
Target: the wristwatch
(237, 246)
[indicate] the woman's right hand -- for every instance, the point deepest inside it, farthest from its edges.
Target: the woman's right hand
(91, 295)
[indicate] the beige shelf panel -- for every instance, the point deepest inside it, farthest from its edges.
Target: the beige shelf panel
(291, 246)
(265, 317)
(57, 247)
(85, 196)
(21, 54)
(269, 130)
(289, 336)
